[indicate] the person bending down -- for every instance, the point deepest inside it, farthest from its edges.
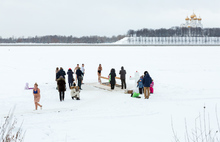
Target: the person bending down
(135, 95)
(75, 92)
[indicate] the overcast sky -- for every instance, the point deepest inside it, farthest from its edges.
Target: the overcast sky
(99, 17)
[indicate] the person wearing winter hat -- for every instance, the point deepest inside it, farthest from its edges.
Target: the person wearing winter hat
(70, 77)
(146, 82)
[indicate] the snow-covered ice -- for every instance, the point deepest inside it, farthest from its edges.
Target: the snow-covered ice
(186, 79)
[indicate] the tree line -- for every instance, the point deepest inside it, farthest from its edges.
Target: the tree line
(162, 32)
(175, 32)
(62, 39)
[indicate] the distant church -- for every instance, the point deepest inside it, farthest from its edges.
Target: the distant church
(192, 22)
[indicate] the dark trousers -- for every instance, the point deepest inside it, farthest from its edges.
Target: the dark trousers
(70, 84)
(79, 83)
(112, 86)
(141, 90)
(62, 95)
(123, 83)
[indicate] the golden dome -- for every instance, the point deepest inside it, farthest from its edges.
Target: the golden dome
(199, 18)
(193, 15)
(187, 18)
(189, 26)
(195, 18)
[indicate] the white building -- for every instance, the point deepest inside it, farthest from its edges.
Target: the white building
(192, 22)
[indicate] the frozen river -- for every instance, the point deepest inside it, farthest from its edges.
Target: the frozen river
(186, 79)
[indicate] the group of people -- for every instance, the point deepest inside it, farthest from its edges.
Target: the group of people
(61, 82)
(112, 76)
(145, 83)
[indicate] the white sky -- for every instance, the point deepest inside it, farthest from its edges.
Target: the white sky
(99, 17)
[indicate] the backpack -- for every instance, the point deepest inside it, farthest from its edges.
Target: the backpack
(109, 78)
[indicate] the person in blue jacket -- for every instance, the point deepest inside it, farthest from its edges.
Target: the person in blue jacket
(140, 85)
(146, 82)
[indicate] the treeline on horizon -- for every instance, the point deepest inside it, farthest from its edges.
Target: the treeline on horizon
(162, 32)
(175, 32)
(62, 39)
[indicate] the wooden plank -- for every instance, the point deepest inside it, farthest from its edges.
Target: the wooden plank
(104, 77)
(108, 78)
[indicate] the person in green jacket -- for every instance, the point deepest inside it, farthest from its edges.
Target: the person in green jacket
(135, 95)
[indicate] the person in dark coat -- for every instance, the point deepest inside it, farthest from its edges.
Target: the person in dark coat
(61, 73)
(112, 81)
(122, 77)
(79, 75)
(61, 83)
(146, 82)
(70, 77)
(57, 75)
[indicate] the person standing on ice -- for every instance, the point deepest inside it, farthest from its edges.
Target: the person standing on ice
(83, 71)
(140, 84)
(79, 75)
(70, 77)
(61, 73)
(112, 76)
(57, 75)
(122, 77)
(36, 93)
(76, 68)
(146, 82)
(152, 87)
(61, 87)
(99, 73)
